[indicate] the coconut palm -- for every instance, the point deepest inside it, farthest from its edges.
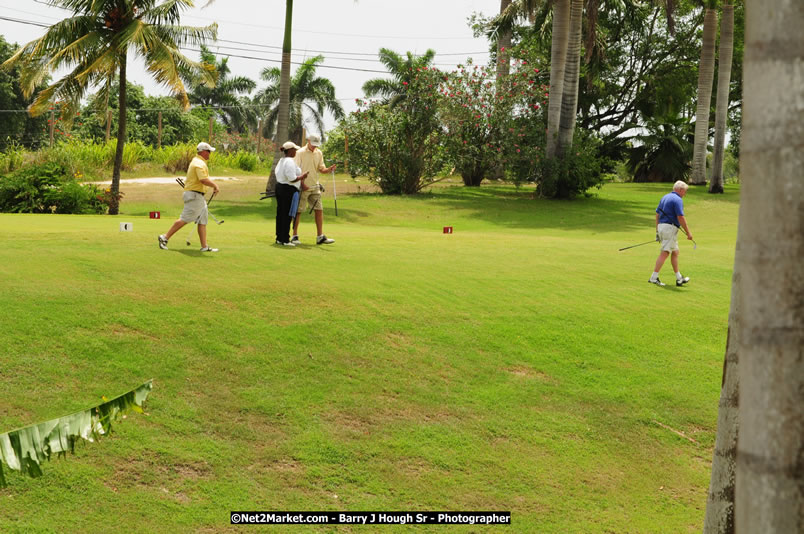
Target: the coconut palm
(722, 104)
(503, 44)
(663, 151)
(224, 95)
(309, 96)
(770, 446)
(94, 42)
(706, 73)
(402, 69)
(572, 71)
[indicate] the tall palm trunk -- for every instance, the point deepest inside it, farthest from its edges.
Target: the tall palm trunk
(283, 118)
(558, 63)
(706, 73)
(722, 105)
(503, 45)
(720, 502)
(114, 206)
(770, 449)
(569, 99)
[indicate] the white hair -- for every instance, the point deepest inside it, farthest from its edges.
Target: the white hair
(680, 186)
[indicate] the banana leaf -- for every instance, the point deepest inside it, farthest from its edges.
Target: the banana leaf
(24, 449)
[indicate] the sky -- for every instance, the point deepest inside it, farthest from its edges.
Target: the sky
(349, 33)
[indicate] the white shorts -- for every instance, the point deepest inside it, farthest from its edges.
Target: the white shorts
(668, 235)
(195, 208)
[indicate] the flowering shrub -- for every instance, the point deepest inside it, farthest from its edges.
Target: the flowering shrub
(489, 122)
(397, 146)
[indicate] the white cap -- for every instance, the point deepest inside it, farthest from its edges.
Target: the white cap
(204, 146)
(314, 140)
(290, 144)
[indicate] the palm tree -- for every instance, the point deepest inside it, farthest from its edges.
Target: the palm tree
(503, 44)
(283, 111)
(308, 95)
(403, 70)
(224, 95)
(770, 448)
(722, 105)
(94, 42)
(558, 63)
(719, 517)
(664, 149)
(572, 72)
(706, 73)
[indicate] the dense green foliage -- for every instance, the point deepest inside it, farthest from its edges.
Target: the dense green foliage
(18, 128)
(487, 123)
(49, 188)
(397, 146)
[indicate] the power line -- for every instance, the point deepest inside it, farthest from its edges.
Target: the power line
(44, 25)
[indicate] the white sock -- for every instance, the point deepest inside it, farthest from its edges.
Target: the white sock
(654, 276)
(678, 276)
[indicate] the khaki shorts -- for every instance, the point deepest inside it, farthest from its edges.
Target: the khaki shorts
(195, 208)
(312, 199)
(668, 235)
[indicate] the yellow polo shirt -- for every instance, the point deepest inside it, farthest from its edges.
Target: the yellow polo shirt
(197, 171)
(312, 162)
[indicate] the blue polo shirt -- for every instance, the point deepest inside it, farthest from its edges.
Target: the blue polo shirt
(672, 205)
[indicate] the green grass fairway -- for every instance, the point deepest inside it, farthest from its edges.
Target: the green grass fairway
(521, 363)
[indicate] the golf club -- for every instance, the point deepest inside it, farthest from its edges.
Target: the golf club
(639, 245)
(335, 194)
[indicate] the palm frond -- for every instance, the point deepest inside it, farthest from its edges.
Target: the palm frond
(26, 448)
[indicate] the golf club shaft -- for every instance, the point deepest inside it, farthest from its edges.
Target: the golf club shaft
(639, 245)
(335, 194)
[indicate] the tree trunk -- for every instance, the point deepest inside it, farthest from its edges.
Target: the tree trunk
(720, 502)
(569, 99)
(722, 105)
(503, 46)
(706, 72)
(114, 206)
(283, 117)
(558, 62)
(770, 449)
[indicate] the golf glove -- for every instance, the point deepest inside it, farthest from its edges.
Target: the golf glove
(321, 187)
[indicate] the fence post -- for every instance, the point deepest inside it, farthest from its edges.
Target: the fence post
(304, 137)
(159, 135)
(210, 130)
(108, 124)
(52, 125)
(259, 135)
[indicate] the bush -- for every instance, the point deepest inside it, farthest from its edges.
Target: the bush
(573, 173)
(11, 159)
(177, 158)
(489, 121)
(48, 188)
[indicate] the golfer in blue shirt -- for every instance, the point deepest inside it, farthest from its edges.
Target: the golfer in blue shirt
(669, 217)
